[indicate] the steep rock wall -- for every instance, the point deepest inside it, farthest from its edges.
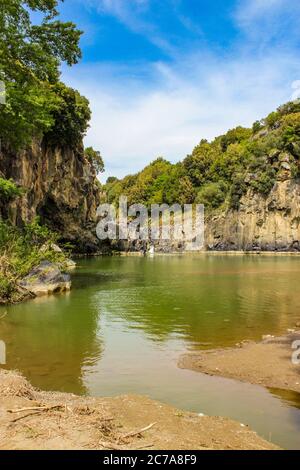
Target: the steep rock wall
(269, 223)
(60, 186)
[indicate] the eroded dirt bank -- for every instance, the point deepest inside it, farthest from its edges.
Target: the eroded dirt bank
(30, 419)
(267, 363)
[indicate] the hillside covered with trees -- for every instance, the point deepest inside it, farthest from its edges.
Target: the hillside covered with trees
(218, 173)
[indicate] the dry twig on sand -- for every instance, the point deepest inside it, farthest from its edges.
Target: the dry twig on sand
(36, 408)
(136, 433)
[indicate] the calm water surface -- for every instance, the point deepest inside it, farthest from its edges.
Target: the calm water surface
(127, 320)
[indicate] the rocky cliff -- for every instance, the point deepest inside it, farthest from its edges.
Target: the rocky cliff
(266, 223)
(60, 186)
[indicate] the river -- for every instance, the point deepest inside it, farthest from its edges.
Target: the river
(126, 321)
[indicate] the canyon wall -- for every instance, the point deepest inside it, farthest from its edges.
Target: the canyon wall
(261, 223)
(60, 186)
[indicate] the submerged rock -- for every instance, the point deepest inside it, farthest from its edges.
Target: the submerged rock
(46, 279)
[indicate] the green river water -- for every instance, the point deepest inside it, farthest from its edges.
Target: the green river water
(127, 320)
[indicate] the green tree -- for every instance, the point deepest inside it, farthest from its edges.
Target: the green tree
(30, 57)
(212, 195)
(94, 157)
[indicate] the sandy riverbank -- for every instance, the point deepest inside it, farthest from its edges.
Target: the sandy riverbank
(31, 419)
(268, 363)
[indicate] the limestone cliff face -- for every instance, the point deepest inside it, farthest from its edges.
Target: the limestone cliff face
(60, 186)
(269, 223)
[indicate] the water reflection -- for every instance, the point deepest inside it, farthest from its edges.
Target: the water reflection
(52, 341)
(206, 301)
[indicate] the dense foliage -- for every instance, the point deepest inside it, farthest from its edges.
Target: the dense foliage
(30, 57)
(95, 159)
(218, 173)
(20, 251)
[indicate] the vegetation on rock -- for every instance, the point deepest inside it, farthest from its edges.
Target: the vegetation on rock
(20, 251)
(9, 190)
(95, 159)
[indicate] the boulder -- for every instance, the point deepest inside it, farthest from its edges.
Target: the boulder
(46, 279)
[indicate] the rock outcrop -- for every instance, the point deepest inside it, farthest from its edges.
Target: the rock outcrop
(60, 186)
(270, 223)
(46, 279)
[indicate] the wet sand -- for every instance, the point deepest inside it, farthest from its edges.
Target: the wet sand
(268, 363)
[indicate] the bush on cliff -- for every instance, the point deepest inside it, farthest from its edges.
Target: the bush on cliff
(9, 190)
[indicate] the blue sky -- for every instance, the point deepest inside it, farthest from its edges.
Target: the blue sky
(162, 74)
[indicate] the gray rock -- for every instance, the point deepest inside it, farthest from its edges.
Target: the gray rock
(286, 166)
(51, 246)
(46, 279)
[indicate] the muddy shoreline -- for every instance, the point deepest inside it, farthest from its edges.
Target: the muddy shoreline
(35, 420)
(268, 363)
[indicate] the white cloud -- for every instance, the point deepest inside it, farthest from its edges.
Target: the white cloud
(270, 20)
(200, 97)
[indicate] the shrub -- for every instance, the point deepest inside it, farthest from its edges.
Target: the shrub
(237, 190)
(265, 181)
(9, 190)
(272, 119)
(95, 159)
(212, 195)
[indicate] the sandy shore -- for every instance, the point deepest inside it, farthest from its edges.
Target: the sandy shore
(268, 363)
(31, 419)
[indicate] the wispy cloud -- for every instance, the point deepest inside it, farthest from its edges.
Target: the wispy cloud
(127, 11)
(133, 123)
(132, 14)
(143, 110)
(269, 19)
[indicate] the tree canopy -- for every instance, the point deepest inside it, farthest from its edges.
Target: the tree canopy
(30, 57)
(218, 173)
(94, 157)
